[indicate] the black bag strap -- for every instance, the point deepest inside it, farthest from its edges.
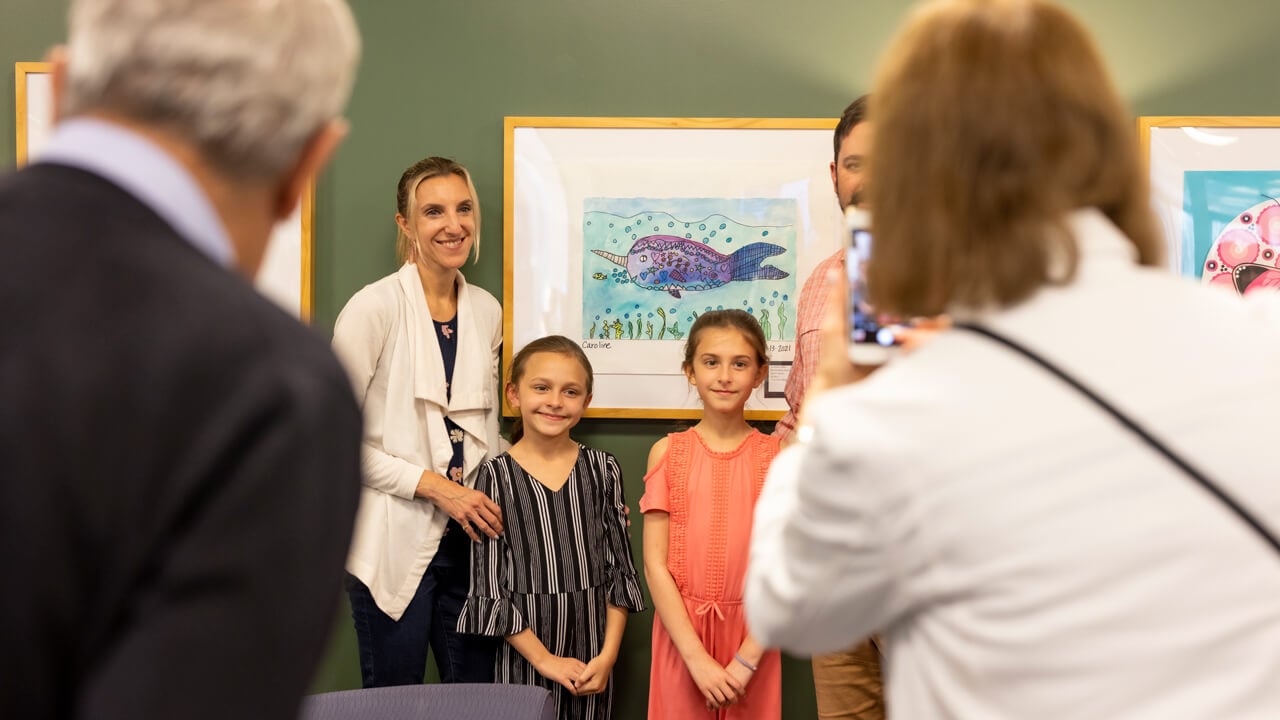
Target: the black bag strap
(1137, 429)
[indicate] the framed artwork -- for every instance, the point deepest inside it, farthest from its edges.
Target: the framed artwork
(1215, 185)
(287, 268)
(619, 232)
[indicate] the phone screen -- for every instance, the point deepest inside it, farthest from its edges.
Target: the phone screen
(872, 336)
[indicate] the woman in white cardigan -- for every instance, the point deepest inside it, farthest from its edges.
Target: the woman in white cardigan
(1024, 553)
(422, 347)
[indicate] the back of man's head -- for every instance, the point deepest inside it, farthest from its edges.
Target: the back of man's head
(245, 82)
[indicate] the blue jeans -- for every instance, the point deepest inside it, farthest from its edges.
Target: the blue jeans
(395, 652)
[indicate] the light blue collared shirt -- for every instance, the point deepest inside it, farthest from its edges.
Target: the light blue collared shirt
(146, 172)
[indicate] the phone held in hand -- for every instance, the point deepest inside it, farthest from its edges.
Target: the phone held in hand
(873, 337)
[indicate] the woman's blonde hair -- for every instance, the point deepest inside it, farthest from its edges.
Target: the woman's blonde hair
(994, 119)
(407, 201)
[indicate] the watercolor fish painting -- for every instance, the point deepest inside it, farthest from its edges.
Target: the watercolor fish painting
(673, 264)
(657, 264)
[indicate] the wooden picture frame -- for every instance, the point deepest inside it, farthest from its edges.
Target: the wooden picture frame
(743, 209)
(1213, 179)
(287, 272)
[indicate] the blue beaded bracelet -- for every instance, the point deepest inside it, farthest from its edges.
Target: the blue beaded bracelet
(748, 665)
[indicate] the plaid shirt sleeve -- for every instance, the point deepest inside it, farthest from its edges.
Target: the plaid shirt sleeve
(812, 305)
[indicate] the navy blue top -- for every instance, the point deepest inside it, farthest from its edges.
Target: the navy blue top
(455, 546)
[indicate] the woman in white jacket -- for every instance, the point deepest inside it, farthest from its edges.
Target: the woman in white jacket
(422, 347)
(1023, 553)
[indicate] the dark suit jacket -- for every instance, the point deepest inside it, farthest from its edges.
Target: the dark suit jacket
(179, 469)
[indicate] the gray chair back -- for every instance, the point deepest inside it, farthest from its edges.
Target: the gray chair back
(460, 701)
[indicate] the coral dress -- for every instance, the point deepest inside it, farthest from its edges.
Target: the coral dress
(711, 498)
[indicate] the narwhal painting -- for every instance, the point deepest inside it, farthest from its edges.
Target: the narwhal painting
(673, 264)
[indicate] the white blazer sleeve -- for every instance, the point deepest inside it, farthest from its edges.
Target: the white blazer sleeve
(359, 335)
(828, 541)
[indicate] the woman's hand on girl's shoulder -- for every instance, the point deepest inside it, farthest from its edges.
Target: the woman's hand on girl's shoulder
(475, 512)
(563, 670)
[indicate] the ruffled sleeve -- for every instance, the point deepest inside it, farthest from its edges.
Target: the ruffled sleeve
(624, 586)
(489, 609)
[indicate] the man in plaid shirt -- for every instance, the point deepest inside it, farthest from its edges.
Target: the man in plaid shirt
(848, 684)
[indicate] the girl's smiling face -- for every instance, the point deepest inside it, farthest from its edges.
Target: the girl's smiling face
(724, 369)
(551, 394)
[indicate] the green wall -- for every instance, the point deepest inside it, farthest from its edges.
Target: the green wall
(438, 76)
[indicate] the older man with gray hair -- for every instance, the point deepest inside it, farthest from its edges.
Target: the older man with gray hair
(179, 459)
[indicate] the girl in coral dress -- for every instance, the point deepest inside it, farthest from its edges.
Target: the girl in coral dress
(700, 494)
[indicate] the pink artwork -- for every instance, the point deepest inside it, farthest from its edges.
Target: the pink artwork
(1245, 257)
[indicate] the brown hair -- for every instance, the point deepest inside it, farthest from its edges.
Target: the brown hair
(740, 320)
(407, 199)
(558, 344)
(855, 113)
(994, 120)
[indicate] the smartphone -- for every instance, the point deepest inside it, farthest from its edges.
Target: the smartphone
(873, 337)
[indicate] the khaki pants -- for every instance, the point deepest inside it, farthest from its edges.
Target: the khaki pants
(849, 685)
